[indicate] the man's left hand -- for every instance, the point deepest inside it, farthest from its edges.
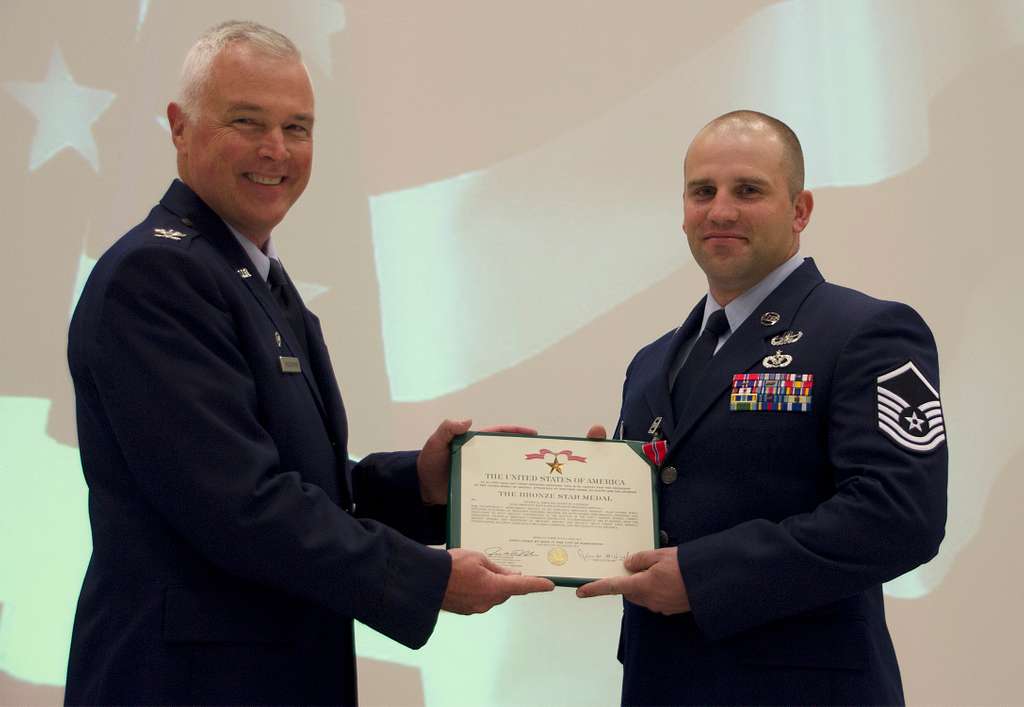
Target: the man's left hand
(434, 462)
(656, 585)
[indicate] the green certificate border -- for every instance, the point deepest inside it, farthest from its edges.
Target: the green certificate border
(454, 529)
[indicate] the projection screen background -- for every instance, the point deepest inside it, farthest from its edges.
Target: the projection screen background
(493, 228)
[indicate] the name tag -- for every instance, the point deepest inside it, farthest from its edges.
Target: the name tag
(289, 364)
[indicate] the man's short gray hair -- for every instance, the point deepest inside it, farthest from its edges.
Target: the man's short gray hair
(195, 72)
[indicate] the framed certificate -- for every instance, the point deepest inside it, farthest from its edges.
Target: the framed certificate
(565, 508)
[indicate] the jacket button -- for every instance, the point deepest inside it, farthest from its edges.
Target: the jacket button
(669, 475)
(662, 538)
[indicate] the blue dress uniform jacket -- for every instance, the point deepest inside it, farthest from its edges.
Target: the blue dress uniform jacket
(787, 522)
(232, 540)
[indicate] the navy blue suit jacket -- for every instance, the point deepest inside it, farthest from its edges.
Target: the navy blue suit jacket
(787, 522)
(232, 538)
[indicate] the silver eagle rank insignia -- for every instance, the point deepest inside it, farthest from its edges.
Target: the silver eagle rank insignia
(169, 233)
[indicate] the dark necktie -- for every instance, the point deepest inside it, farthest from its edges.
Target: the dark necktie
(697, 361)
(287, 297)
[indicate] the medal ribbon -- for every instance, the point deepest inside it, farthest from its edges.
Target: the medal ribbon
(568, 452)
(656, 451)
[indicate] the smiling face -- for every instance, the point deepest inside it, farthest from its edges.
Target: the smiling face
(740, 219)
(247, 151)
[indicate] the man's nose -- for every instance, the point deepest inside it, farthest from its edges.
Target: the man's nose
(723, 210)
(273, 146)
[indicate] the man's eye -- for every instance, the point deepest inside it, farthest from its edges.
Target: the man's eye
(243, 121)
(748, 190)
(704, 192)
(298, 129)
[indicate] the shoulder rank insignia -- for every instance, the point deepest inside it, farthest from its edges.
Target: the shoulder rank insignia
(909, 410)
(169, 233)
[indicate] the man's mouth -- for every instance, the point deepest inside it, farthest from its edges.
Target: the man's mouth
(265, 181)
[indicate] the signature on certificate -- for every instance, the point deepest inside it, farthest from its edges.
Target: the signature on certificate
(499, 552)
(592, 556)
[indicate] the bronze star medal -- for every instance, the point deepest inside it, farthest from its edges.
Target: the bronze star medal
(556, 466)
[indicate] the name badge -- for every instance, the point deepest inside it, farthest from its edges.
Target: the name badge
(289, 364)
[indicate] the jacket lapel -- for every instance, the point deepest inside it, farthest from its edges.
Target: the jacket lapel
(748, 345)
(182, 201)
(658, 395)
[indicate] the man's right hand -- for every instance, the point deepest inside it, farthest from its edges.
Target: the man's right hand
(477, 584)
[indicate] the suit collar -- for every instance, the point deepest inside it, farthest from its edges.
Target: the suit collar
(194, 213)
(746, 347)
(740, 309)
(259, 258)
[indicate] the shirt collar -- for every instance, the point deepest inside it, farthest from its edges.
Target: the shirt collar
(743, 306)
(258, 257)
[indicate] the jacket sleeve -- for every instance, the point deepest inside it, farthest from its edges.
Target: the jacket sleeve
(386, 487)
(182, 401)
(886, 515)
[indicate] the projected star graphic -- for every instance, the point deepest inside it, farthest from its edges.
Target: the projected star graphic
(64, 111)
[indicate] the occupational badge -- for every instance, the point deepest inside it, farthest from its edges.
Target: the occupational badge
(777, 360)
(770, 318)
(909, 410)
(787, 337)
(244, 272)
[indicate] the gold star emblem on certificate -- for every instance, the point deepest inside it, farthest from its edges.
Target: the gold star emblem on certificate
(556, 466)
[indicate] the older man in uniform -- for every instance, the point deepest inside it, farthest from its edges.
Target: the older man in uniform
(803, 455)
(233, 541)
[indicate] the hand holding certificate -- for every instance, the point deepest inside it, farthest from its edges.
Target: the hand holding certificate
(569, 509)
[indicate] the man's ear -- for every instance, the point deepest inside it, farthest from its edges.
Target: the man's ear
(803, 205)
(178, 120)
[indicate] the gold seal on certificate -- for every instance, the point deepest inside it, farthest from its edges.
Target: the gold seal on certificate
(558, 556)
(566, 508)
